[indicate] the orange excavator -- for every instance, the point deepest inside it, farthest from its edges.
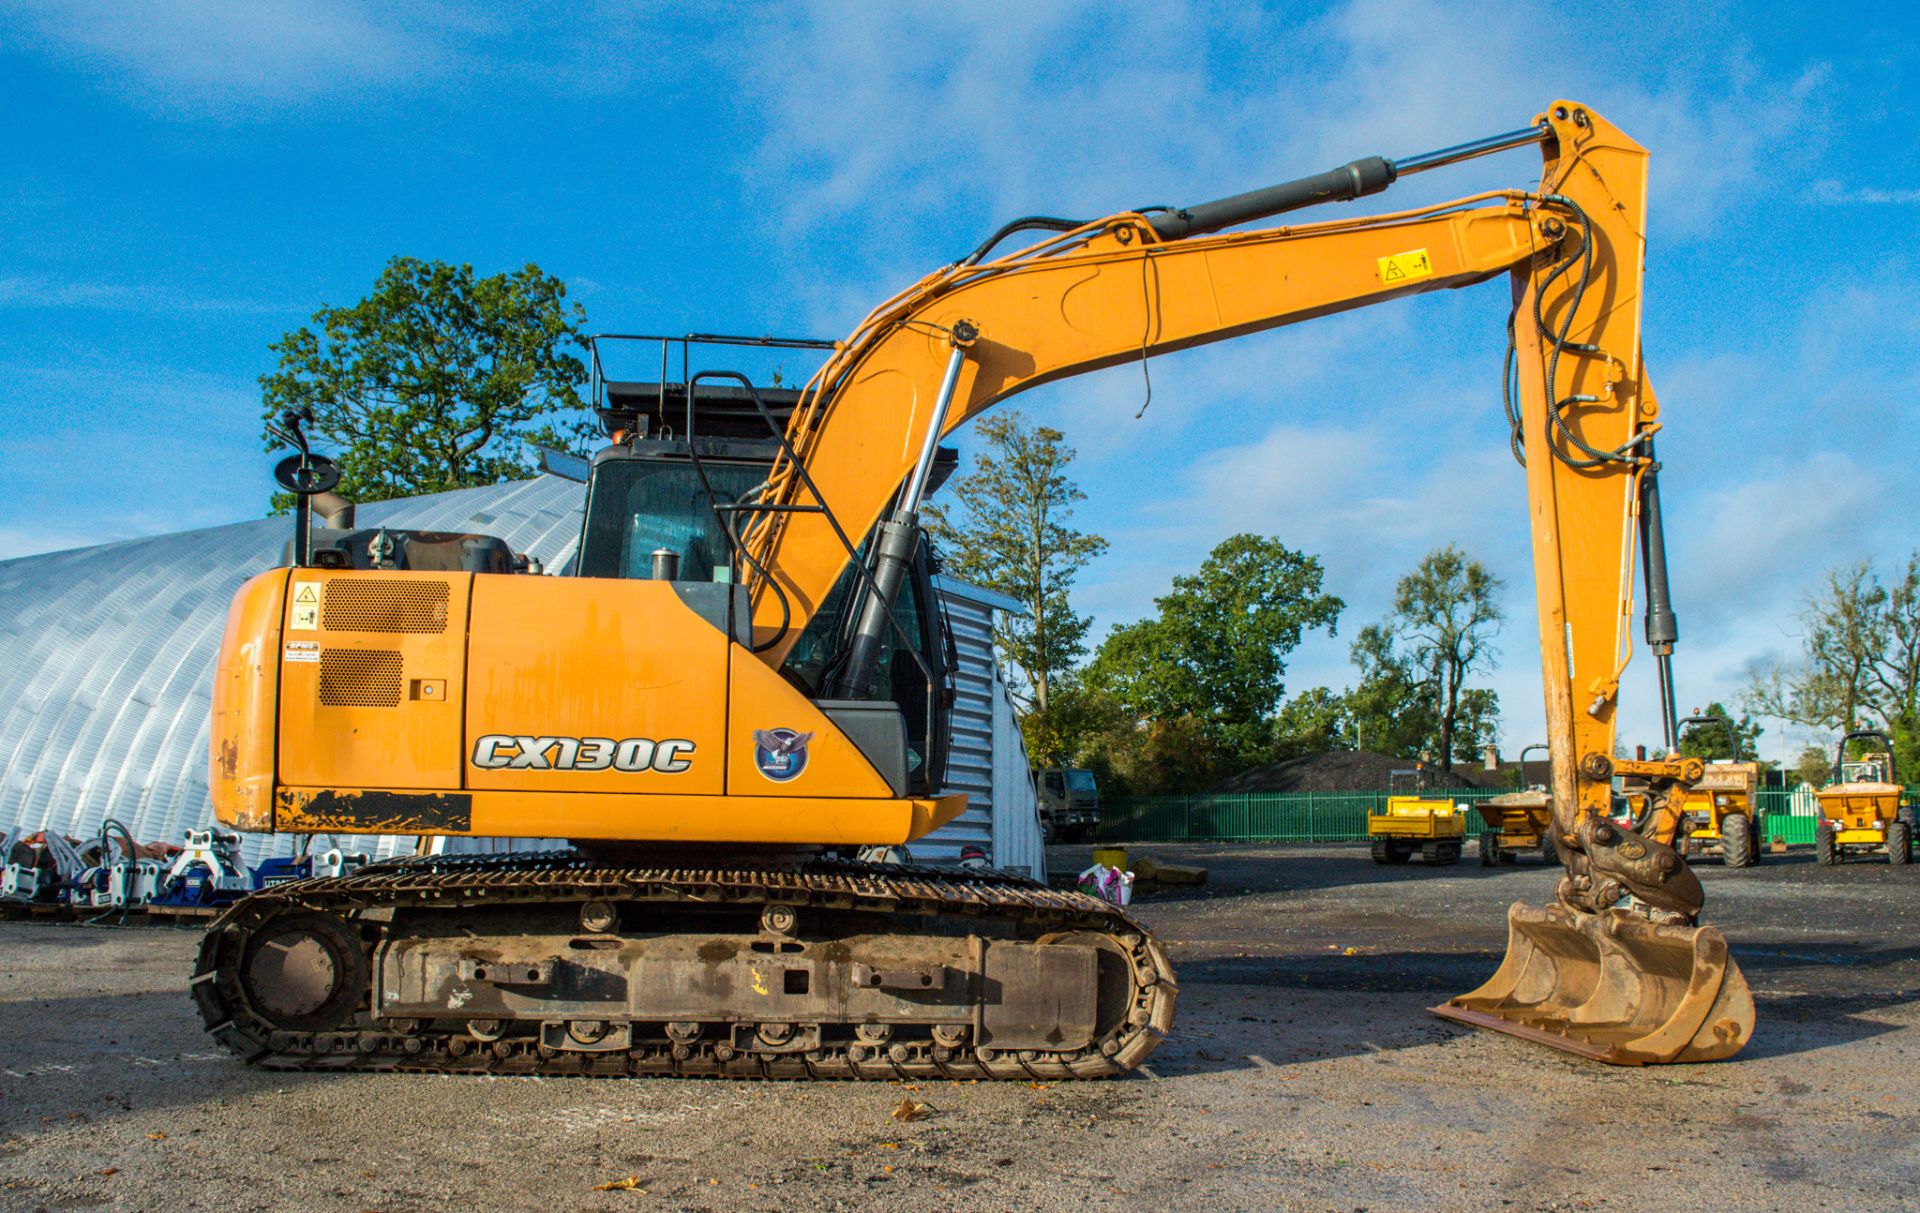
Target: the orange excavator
(744, 681)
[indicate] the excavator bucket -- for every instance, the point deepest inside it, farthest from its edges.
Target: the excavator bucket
(1613, 987)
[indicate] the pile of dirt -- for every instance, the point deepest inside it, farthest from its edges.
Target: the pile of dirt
(1334, 771)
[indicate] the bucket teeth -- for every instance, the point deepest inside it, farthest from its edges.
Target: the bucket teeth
(1613, 987)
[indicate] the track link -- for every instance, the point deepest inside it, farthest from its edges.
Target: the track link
(357, 909)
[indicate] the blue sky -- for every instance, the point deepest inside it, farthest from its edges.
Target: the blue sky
(185, 181)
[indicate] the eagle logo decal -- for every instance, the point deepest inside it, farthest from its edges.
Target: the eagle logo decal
(780, 754)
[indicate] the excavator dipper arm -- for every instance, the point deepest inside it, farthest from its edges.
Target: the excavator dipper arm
(1627, 985)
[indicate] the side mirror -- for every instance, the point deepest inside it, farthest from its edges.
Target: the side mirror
(304, 475)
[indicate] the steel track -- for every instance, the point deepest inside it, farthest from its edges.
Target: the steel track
(364, 899)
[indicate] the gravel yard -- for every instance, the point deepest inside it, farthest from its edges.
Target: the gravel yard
(1303, 1074)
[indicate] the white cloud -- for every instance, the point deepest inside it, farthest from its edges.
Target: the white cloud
(1416, 466)
(1780, 525)
(1355, 496)
(31, 540)
(222, 54)
(24, 292)
(938, 123)
(1840, 195)
(246, 59)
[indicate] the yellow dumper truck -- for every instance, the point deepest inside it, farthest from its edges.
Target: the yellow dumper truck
(1719, 806)
(1433, 826)
(1517, 823)
(1864, 811)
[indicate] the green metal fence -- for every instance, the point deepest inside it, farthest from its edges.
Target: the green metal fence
(1342, 816)
(1249, 816)
(1778, 818)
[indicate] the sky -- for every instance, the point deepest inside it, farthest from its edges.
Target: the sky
(185, 181)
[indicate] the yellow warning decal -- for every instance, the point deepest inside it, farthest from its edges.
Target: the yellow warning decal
(1405, 267)
(306, 606)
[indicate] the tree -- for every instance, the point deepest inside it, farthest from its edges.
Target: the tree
(1217, 650)
(1860, 659)
(1710, 741)
(1396, 708)
(1814, 766)
(1446, 611)
(1391, 710)
(1312, 722)
(1477, 725)
(437, 380)
(1011, 530)
(1152, 757)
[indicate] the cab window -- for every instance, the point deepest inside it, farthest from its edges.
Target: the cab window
(641, 505)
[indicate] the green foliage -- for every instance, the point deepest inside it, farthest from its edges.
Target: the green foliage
(1814, 766)
(1860, 659)
(1215, 654)
(1135, 757)
(1312, 722)
(1390, 711)
(1195, 692)
(1411, 700)
(437, 380)
(1710, 741)
(1446, 612)
(1010, 529)
(1395, 708)
(1477, 724)
(1059, 736)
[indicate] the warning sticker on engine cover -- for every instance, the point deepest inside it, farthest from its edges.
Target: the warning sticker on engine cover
(1406, 267)
(301, 650)
(305, 615)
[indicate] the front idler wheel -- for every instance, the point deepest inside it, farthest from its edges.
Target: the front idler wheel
(305, 972)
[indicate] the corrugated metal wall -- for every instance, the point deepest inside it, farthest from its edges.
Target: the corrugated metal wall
(107, 654)
(1016, 819)
(987, 746)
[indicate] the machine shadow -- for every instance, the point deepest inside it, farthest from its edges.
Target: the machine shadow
(145, 1050)
(1790, 1023)
(1269, 1012)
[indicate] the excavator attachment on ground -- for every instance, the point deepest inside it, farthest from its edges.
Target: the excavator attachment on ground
(1617, 969)
(1614, 987)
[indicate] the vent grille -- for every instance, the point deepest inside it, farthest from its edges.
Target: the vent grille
(385, 606)
(360, 678)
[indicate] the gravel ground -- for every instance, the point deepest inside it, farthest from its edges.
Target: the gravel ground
(1303, 1074)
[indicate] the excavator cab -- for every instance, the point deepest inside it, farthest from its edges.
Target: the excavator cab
(665, 502)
